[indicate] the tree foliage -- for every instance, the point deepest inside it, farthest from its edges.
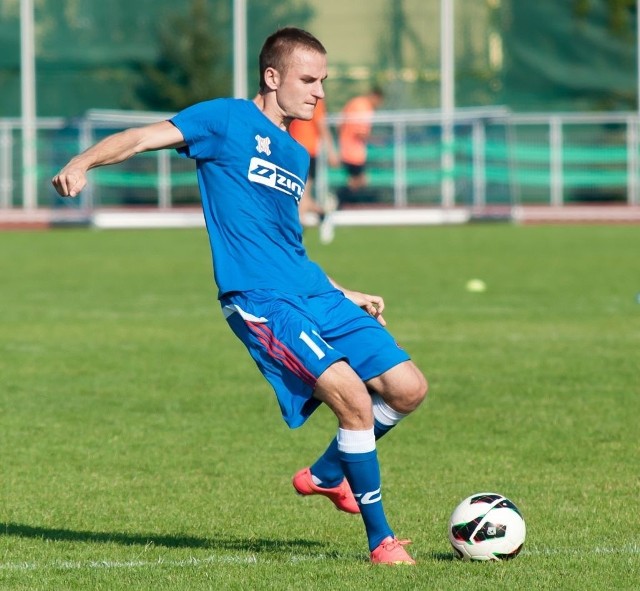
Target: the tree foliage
(193, 62)
(620, 13)
(195, 50)
(263, 18)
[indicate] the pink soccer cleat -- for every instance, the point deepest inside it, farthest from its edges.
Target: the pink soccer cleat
(341, 495)
(391, 551)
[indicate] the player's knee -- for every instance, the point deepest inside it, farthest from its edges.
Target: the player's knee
(355, 414)
(416, 390)
(413, 392)
(343, 392)
(403, 388)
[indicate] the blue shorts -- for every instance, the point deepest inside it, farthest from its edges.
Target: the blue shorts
(294, 339)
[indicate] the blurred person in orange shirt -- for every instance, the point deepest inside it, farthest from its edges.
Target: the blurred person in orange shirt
(354, 134)
(315, 136)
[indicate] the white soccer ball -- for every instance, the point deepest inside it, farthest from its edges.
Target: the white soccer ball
(487, 526)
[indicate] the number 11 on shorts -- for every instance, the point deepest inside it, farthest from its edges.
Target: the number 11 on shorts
(313, 346)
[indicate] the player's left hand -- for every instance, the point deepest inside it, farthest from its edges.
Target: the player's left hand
(371, 304)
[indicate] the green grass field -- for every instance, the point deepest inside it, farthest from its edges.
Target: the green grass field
(141, 449)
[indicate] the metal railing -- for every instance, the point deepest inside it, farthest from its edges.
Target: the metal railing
(498, 158)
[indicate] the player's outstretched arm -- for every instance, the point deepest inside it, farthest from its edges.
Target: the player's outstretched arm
(371, 304)
(113, 149)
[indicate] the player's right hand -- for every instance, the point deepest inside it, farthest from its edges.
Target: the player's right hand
(69, 182)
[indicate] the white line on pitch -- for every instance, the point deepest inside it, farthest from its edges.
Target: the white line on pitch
(253, 559)
(114, 564)
(542, 551)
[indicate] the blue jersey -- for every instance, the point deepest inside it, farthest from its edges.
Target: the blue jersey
(251, 176)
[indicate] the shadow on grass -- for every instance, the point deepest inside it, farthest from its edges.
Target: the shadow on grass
(255, 545)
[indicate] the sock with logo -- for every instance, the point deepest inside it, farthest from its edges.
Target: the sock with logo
(359, 460)
(327, 470)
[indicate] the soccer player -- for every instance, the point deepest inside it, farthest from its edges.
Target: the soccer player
(313, 340)
(354, 133)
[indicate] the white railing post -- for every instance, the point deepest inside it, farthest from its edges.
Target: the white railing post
(447, 100)
(28, 106)
(399, 164)
(164, 179)
(632, 160)
(479, 164)
(448, 186)
(6, 165)
(555, 156)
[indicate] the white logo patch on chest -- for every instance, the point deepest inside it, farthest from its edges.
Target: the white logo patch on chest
(264, 145)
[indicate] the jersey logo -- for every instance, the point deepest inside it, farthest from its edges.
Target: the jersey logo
(264, 145)
(266, 173)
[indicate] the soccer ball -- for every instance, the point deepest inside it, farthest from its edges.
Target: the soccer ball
(486, 526)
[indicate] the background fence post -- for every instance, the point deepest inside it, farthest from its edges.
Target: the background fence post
(6, 165)
(555, 153)
(164, 179)
(632, 160)
(479, 197)
(400, 164)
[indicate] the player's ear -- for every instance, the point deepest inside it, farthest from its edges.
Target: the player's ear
(272, 78)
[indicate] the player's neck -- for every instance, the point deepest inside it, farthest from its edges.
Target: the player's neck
(271, 111)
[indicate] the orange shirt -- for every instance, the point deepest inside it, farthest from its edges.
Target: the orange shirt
(354, 134)
(308, 133)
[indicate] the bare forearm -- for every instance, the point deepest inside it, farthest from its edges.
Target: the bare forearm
(113, 149)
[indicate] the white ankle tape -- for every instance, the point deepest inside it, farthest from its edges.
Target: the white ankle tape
(356, 442)
(383, 413)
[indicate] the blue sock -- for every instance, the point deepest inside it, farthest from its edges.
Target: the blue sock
(328, 468)
(359, 461)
